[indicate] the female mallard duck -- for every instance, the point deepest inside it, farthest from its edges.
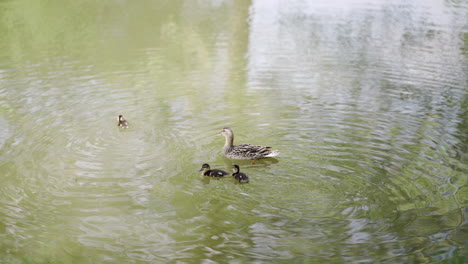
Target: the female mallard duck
(122, 122)
(206, 171)
(244, 151)
(241, 177)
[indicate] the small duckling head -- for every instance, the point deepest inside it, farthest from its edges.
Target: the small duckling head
(205, 167)
(235, 168)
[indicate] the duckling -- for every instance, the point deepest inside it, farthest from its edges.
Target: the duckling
(122, 122)
(206, 171)
(241, 177)
(244, 151)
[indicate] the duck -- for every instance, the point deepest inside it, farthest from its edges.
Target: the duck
(244, 151)
(241, 177)
(207, 171)
(122, 122)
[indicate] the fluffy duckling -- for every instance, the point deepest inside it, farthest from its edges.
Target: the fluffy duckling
(241, 177)
(206, 171)
(122, 122)
(244, 151)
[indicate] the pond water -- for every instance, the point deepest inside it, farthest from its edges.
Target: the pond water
(367, 102)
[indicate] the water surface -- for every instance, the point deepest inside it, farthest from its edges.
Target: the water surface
(366, 100)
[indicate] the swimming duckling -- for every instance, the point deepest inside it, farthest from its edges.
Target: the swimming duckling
(244, 151)
(122, 122)
(206, 171)
(241, 177)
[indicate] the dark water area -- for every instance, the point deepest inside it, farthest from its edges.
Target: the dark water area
(367, 102)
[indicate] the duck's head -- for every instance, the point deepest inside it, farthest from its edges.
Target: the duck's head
(121, 118)
(235, 168)
(227, 132)
(205, 167)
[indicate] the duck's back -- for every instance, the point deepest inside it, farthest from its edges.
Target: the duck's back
(249, 151)
(215, 173)
(241, 177)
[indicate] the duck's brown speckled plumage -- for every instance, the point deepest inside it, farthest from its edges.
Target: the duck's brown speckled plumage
(244, 151)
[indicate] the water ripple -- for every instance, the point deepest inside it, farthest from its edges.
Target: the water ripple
(365, 101)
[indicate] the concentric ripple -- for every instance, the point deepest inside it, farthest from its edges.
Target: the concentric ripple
(366, 101)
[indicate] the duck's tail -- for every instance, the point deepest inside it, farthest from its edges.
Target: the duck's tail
(273, 153)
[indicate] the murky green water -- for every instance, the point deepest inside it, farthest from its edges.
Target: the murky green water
(366, 100)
